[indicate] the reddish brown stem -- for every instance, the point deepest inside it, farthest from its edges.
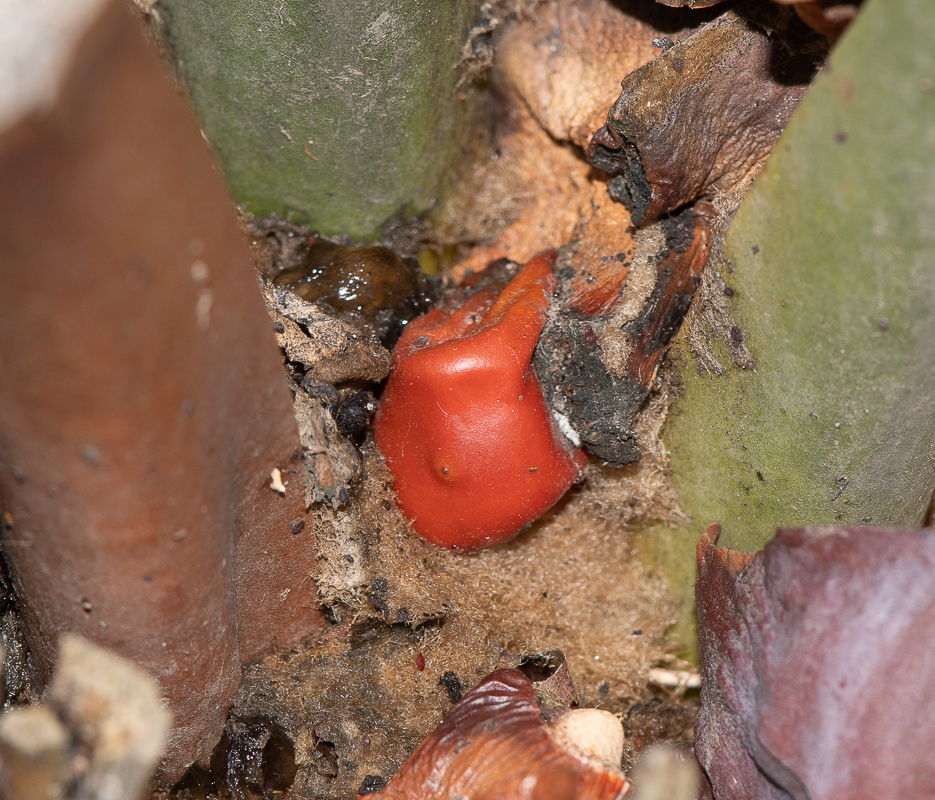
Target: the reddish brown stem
(143, 402)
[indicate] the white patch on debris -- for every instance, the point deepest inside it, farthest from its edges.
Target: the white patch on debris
(565, 427)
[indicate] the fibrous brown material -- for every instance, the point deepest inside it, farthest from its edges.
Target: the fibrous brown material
(818, 667)
(495, 744)
(143, 405)
(621, 295)
(557, 72)
(331, 351)
(702, 117)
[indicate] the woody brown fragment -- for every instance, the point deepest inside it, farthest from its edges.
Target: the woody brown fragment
(701, 119)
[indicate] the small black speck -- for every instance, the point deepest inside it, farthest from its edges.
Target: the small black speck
(883, 324)
(759, 476)
(756, 249)
(736, 335)
(444, 470)
(728, 292)
(545, 595)
(665, 43)
(452, 685)
(840, 136)
(379, 586)
(678, 64)
(148, 578)
(344, 495)
(604, 690)
(371, 783)
(349, 558)
(402, 615)
(387, 505)
(298, 526)
(638, 632)
(279, 327)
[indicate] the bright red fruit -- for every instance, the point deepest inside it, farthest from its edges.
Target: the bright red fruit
(462, 422)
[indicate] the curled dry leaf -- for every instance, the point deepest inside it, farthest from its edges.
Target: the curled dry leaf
(566, 59)
(828, 17)
(558, 71)
(723, 96)
(818, 665)
(495, 745)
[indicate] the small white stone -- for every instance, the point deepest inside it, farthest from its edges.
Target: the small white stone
(276, 483)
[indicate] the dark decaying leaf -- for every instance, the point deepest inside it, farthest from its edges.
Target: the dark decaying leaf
(828, 17)
(818, 665)
(599, 397)
(723, 96)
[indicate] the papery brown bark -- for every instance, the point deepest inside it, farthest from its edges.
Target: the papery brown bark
(143, 401)
(818, 667)
(702, 117)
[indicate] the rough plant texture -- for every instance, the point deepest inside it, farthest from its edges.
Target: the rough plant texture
(412, 622)
(335, 115)
(330, 350)
(531, 189)
(817, 665)
(825, 286)
(827, 263)
(597, 368)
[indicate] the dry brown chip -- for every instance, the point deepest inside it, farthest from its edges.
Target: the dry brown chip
(684, 125)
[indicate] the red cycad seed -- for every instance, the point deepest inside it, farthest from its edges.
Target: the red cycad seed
(463, 424)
